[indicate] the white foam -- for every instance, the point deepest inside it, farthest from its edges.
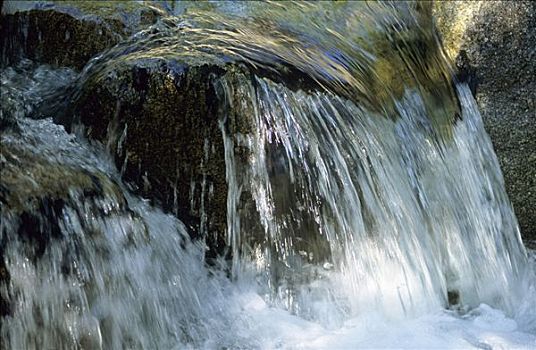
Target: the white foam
(482, 328)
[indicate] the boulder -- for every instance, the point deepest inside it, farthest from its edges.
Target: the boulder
(68, 34)
(492, 44)
(155, 98)
(155, 101)
(43, 198)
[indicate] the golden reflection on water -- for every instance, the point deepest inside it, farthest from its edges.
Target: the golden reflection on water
(369, 52)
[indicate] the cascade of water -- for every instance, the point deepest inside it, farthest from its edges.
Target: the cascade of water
(88, 264)
(407, 216)
(334, 211)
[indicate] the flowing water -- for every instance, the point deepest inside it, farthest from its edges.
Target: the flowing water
(355, 220)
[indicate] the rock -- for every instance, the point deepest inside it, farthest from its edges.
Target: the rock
(24, 86)
(492, 44)
(69, 33)
(44, 196)
(153, 98)
(161, 121)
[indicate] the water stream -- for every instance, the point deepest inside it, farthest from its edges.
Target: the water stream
(347, 229)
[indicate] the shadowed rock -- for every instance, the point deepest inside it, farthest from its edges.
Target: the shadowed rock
(68, 34)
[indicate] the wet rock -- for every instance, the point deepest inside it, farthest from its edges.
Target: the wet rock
(161, 121)
(7, 122)
(24, 86)
(153, 100)
(492, 44)
(69, 33)
(34, 192)
(453, 297)
(5, 307)
(43, 199)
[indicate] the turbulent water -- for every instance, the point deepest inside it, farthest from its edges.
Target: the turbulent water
(348, 229)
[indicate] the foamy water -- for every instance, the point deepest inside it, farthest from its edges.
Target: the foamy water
(349, 228)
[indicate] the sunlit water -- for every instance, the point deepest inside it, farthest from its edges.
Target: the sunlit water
(348, 229)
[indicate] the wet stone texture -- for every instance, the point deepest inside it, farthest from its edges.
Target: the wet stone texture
(55, 38)
(161, 122)
(37, 195)
(493, 45)
(67, 35)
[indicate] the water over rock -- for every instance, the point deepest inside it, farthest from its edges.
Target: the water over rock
(492, 44)
(322, 166)
(156, 101)
(164, 123)
(43, 197)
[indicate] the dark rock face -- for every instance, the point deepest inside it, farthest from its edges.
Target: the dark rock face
(68, 34)
(162, 124)
(55, 38)
(497, 57)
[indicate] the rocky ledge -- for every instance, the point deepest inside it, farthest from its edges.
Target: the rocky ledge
(493, 46)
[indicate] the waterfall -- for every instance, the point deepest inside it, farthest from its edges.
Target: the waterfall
(404, 217)
(359, 213)
(95, 267)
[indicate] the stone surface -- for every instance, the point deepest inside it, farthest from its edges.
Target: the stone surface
(68, 34)
(37, 195)
(161, 122)
(493, 46)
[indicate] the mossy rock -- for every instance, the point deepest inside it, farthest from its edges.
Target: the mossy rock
(69, 33)
(35, 194)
